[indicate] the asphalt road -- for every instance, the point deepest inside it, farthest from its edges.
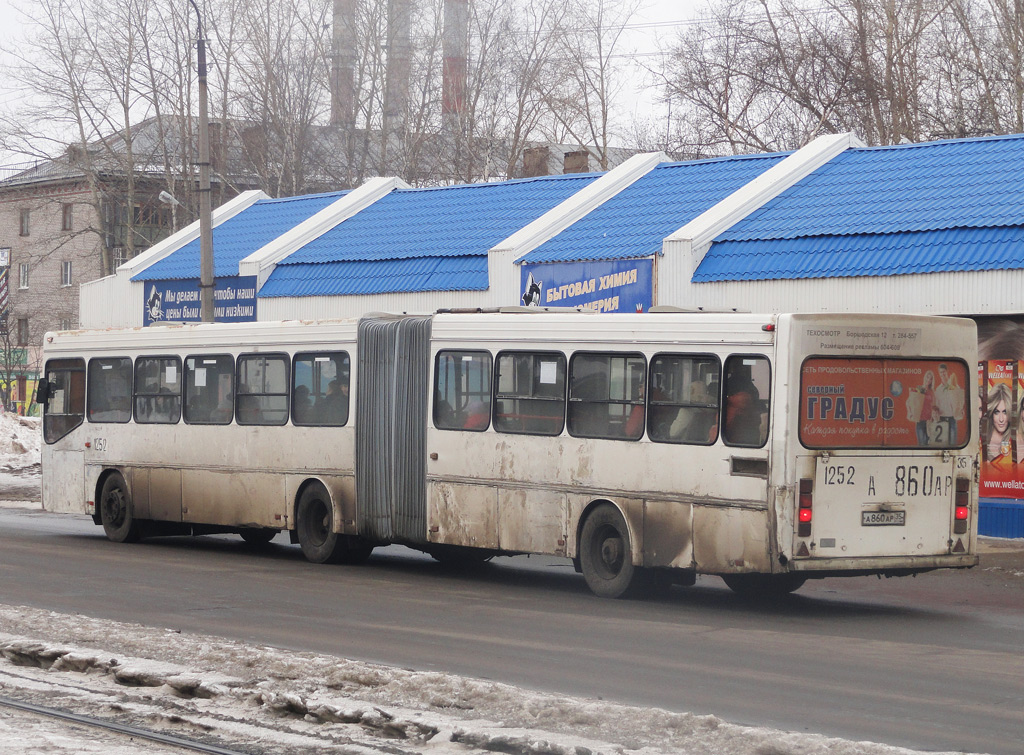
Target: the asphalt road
(935, 662)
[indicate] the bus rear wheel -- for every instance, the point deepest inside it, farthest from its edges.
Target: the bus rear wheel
(116, 514)
(764, 585)
(316, 532)
(605, 554)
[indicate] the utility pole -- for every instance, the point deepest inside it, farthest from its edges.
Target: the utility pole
(205, 210)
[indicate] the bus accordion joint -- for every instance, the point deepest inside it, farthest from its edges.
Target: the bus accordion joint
(806, 502)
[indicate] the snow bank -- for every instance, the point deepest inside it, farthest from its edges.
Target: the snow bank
(20, 440)
(284, 701)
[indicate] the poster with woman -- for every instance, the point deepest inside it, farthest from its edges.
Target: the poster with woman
(1000, 381)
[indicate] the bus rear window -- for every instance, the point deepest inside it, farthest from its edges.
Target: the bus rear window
(883, 403)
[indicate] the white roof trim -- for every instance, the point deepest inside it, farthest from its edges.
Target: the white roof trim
(703, 229)
(563, 215)
(262, 261)
(176, 241)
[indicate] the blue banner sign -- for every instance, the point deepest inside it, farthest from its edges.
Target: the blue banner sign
(606, 286)
(234, 300)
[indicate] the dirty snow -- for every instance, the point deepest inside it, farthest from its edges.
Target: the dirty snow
(267, 700)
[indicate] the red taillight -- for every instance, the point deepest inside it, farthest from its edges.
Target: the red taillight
(962, 512)
(806, 502)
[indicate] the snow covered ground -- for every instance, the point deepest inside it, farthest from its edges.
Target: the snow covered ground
(266, 700)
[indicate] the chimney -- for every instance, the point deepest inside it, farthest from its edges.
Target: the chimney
(343, 63)
(535, 162)
(396, 86)
(453, 87)
(576, 162)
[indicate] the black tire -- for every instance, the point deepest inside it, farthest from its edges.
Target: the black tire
(315, 529)
(458, 557)
(764, 586)
(605, 554)
(116, 512)
(257, 535)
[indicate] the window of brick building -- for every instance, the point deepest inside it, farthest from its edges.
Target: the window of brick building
(24, 228)
(66, 217)
(65, 273)
(23, 275)
(23, 331)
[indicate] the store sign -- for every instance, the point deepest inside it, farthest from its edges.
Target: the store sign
(234, 300)
(607, 286)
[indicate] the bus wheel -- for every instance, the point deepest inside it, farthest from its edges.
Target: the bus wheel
(605, 553)
(315, 528)
(116, 513)
(315, 525)
(764, 585)
(257, 535)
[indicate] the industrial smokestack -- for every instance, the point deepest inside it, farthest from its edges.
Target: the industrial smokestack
(343, 64)
(396, 89)
(453, 87)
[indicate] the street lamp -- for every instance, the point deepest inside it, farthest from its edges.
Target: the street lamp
(205, 211)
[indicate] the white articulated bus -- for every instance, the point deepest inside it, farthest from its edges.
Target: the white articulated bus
(648, 448)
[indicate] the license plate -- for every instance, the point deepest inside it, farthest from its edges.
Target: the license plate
(883, 518)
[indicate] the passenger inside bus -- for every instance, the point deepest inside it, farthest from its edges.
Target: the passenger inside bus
(303, 407)
(696, 423)
(742, 408)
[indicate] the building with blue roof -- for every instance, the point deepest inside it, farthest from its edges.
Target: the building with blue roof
(933, 228)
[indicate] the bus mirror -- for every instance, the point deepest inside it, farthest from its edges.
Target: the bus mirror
(42, 391)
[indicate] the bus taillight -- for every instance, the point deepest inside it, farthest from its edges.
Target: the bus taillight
(962, 512)
(804, 514)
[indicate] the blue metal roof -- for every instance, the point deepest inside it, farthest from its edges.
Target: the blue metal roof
(864, 255)
(964, 183)
(917, 208)
(448, 221)
(239, 236)
(415, 227)
(634, 222)
(467, 273)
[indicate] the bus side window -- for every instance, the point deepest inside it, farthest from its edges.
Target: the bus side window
(158, 390)
(745, 408)
(208, 395)
(65, 403)
(109, 390)
(320, 389)
(606, 396)
(262, 389)
(530, 393)
(683, 403)
(462, 390)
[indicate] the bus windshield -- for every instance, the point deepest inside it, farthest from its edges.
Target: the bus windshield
(883, 403)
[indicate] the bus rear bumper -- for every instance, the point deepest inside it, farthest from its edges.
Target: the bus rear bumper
(889, 566)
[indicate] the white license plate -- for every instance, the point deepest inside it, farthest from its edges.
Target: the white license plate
(883, 518)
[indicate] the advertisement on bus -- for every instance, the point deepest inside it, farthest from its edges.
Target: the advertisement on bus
(883, 403)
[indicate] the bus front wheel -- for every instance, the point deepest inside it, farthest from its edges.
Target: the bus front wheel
(316, 532)
(605, 553)
(116, 514)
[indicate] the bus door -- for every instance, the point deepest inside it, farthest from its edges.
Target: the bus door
(889, 440)
(62, 396)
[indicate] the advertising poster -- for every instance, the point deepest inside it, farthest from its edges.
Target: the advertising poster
(606, 286)
(234, 300)
(1001, 477)
(876, 403)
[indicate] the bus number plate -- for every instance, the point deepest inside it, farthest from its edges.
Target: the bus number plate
(883, 518)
